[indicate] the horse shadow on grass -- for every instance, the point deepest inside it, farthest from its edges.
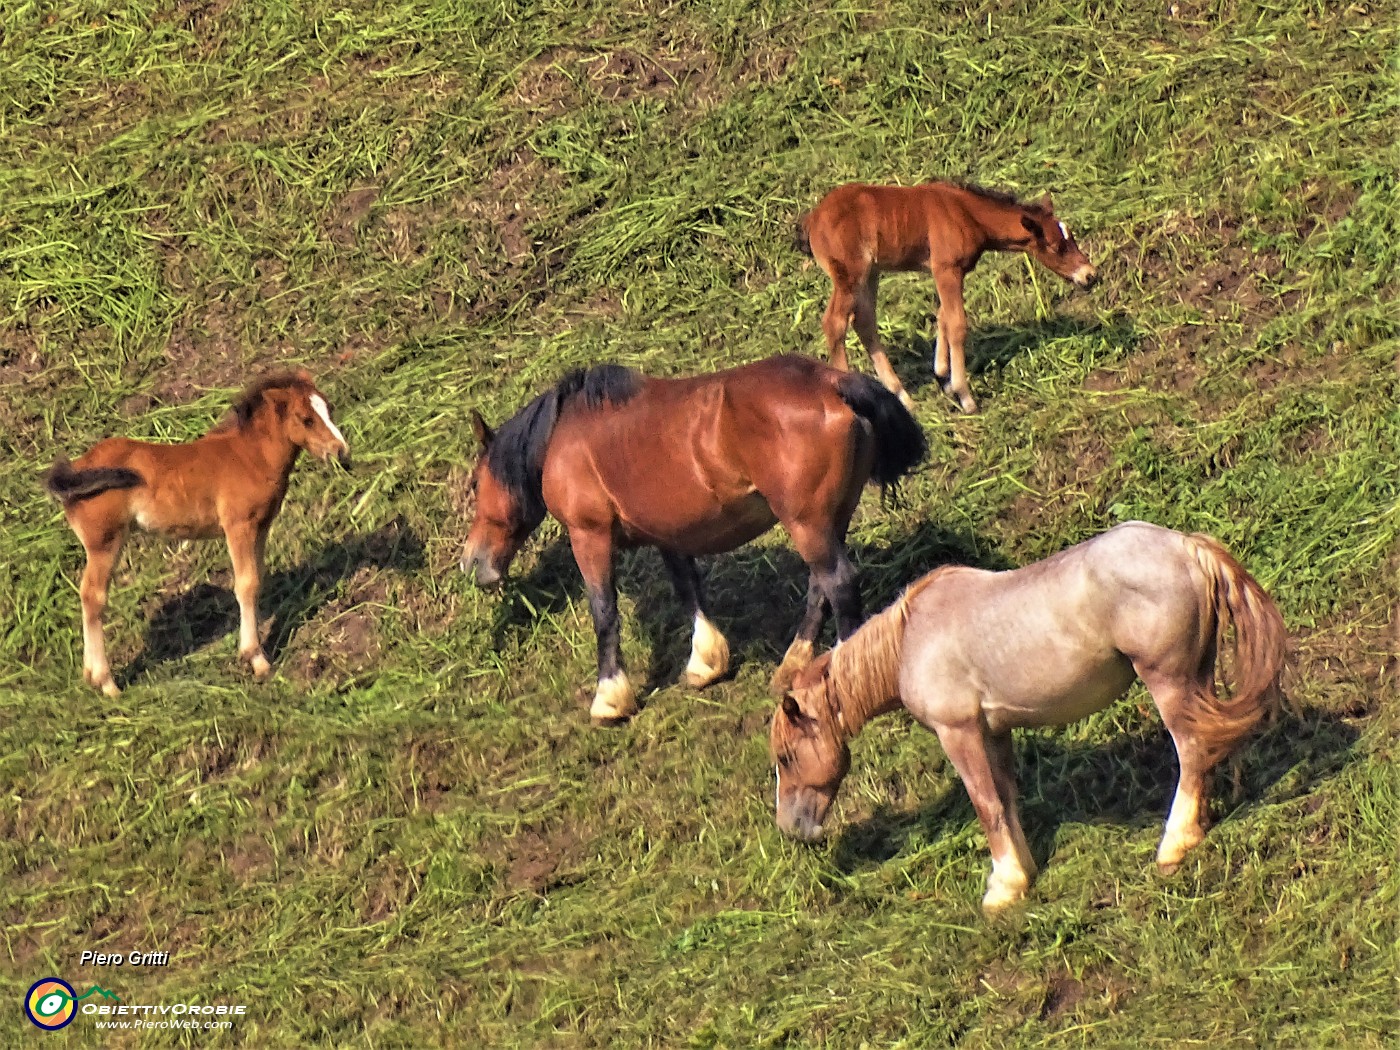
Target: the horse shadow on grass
(754, 595)
(993, 347)
(206, 612)
(1128, 781)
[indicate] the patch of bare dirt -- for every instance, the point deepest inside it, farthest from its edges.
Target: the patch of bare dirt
(538, 861)
(349, 215)
(623, 75)
(1062, 995)
(389, 888)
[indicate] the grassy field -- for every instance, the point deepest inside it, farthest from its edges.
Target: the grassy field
(412, 836)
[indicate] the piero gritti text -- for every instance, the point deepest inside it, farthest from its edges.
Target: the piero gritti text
(129, 959)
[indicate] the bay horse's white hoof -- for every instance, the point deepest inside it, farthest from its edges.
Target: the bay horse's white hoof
(1003, 891)
(614, 702)
(709, 655)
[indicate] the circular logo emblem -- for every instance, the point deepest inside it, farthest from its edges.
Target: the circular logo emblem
(51, 1004)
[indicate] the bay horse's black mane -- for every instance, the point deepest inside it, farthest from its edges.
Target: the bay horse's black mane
(516, 454)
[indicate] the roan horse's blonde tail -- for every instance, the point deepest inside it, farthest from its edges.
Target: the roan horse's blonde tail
(1235, 598)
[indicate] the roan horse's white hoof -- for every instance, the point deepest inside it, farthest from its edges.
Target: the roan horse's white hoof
(615, 700)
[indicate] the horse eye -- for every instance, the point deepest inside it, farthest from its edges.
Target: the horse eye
(308, 420)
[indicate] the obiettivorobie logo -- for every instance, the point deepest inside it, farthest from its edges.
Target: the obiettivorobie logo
(52, 1003)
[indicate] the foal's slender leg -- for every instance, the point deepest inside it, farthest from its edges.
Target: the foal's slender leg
(709, 651)
(869, 332)
(1002, 753)
(245, 543)
(966, 747)
(615, 698)
(799, 653)
(952, 335)
(102, 553)
(837, 318)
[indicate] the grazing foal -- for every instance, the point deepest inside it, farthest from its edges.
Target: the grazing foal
(858, 232)
(232, 480)
(973, 655)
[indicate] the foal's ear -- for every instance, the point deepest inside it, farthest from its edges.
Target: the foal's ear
(1047, 204)
(1034, 228)
(483, 433)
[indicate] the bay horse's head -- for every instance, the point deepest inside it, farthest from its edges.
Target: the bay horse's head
(296, 410)
(809, 752)
(501, 523)
(1052, 245)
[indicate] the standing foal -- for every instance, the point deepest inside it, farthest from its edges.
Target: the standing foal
(232, 480)
(858, 232)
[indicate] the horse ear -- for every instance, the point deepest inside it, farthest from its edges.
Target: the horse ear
(790, 708)
(1033, 228)
(483, 433)
(1047, 204)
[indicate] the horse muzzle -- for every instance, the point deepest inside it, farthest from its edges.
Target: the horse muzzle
(1085, 277)
(477, 565)
(796, 823)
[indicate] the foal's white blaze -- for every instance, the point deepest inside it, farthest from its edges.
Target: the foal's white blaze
(778, 791)
(1064, 231)
(318, 405)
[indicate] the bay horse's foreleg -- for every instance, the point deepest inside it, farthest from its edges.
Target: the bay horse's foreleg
(869, 333)
(709, 651)
(821, 548)
(966, 747)
(949, 352)
(103, 549)
(799, 653)
(245, 548)
(615, 698)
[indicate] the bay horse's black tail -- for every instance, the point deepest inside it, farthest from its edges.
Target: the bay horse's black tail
(801, 239)
(900, 445)
(68, 485)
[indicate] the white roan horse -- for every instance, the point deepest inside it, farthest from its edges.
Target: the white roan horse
(973, 655)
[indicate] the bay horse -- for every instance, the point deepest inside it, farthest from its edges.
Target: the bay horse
(691, 466)
(973, 655)
(231, 480)
(857, 232)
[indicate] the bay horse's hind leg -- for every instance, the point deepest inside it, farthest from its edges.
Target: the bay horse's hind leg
(869, 332)
(965, 744)
(103, 547)
(1185, 829)
(709, 651)
(245, 547)
(799, 653)
(615, 699)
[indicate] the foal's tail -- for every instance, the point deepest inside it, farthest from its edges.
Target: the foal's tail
(900, 445)
(1236, 599)
(68, 485)
(801, 239)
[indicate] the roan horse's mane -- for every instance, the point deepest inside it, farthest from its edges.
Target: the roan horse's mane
(251, 399)
(516, 454)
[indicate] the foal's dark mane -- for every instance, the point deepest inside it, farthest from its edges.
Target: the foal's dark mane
(516, 454)
(248, 403)
(997, 196)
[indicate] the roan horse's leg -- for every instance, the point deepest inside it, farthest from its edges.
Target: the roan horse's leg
(1184, 830)
(869, 332)
(949, 363)
(615, 698)
(709, 652)
(1002, 753)
(102, 553)
(245, 548)
(966, 747)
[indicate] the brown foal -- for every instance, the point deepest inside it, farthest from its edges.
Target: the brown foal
(233, 480)
(858, 232)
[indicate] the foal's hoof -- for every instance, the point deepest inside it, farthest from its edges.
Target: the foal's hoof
(110, 690)
(1167, 867)
(262, 670)
(967, 404)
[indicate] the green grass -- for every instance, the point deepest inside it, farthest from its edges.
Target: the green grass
(412, 836)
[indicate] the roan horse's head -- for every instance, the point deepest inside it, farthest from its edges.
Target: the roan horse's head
(809, 752)
(1052, 245)
(499, 527)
